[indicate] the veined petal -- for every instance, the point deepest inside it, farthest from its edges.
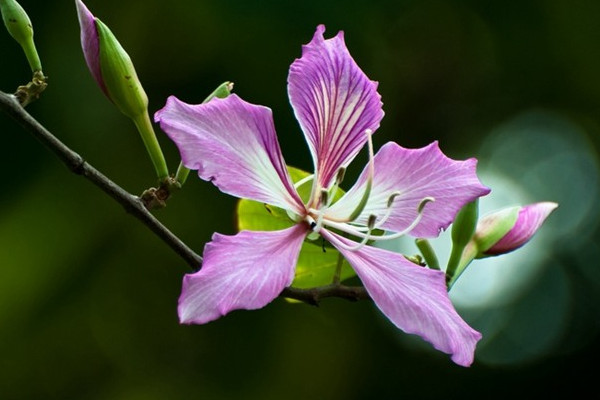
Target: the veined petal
(233, 144)
(90, 43)
(414, 298)
(529, 220)
(334, 102)
(245, 271)
(414, 174)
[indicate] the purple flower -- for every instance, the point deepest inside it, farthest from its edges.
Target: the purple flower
(528, 220)
(233, 144)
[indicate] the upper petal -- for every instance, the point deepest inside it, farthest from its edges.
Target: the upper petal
(245, 271)
(334, 102)
(529, 220)
(233, 144)
(90, 42)
(414, 174)
(414, 298)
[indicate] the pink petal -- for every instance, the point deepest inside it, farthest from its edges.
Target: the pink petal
(334, 102)
(530, 219)
(414, 298)
(415, 174)
(90, 43)
(245, 271)
(233, 144)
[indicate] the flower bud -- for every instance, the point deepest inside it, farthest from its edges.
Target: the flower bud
(463, 229)
(506, 230)
(19, 26)
(464, 224)
(110, 65)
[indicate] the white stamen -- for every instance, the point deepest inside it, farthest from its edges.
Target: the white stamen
(303, 181)
(321, 211)
(355, 231)
(364, 241)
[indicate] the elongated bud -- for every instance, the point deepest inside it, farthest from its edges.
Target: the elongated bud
(463, 229)
(501, 232)
(113, 71)
(464, 224)
(121, 81)
(110, 65)
(19, 26)
(506, 230)
(90, 43)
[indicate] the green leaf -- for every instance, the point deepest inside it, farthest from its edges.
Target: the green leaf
(318, 260)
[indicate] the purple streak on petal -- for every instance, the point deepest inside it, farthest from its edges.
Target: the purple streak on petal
(246, 271)
(414, 298)
(334, 102)
(416, 174)
(530, 219)
(233, 144)
(90, 43)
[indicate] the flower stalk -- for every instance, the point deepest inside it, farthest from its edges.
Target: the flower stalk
(146, 130)
(428, 253)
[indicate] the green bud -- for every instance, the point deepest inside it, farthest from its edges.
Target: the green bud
(119, 76)
(19, 26)
(494, 227)
(463, 229)
(465, 223)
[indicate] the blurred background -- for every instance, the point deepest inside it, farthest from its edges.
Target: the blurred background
(88, 295)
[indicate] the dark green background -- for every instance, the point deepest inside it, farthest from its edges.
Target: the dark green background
(88, 295)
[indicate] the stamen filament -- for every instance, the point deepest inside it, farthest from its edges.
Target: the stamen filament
(303, 181)
(371, 172)
(321, 212)
(364, 241)
(355, 231)
(389, 210)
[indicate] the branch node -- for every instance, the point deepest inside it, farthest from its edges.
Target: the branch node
(30, 92)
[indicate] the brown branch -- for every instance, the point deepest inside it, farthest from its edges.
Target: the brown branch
(314, 295)
(136, 207)
(132, 204)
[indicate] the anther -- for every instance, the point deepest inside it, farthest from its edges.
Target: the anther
(391, 199)
(371, 221)
(324, 198)
(424, 202)
(340, 175)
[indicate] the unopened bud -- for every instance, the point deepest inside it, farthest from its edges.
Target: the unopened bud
(110, 65)
(506, 230)
(19, 26)
(113, 71)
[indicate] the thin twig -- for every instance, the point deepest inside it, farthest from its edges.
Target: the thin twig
(132, 204)
(314, 295)
(135, 206)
